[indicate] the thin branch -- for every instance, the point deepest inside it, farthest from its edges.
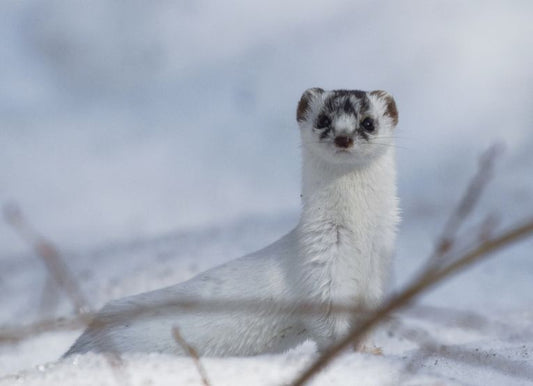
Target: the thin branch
(115, 361)
(466, 205)
(187, 348)
(487, 227)
(411, 292)
(20, 333)
(60, 273)
(54, 263)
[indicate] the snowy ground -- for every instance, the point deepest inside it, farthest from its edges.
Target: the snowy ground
(491, 346)
(150, 142)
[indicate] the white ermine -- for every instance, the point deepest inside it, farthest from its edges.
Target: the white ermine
(339, 253)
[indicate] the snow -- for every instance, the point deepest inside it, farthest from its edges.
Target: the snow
(150, 141)
(267, 370)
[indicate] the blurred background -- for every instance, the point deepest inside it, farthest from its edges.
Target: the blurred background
(123, 121)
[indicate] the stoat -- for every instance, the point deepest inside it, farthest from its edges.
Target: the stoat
(339, 253)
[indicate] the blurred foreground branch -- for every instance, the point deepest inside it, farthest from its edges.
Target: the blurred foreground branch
(54, 263)
(60, 273)
(465, 207)
(20, 333)
(192, 353)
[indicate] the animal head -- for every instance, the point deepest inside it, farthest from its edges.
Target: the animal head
(347, 126)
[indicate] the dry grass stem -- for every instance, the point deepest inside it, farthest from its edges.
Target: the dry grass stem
(192, 353)
(54, 263)
(16, 334)
(60, 273)
(465, 207)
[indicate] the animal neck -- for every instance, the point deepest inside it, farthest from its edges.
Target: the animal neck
(346, 195)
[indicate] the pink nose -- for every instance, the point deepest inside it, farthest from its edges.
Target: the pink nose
(344, 142)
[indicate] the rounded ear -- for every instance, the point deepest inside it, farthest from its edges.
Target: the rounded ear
(305, 101)
(391, 109)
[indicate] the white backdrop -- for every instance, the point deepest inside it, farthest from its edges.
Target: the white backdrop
(121, 120)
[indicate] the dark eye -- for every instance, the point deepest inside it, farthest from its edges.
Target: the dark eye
(323, 122)
(368, 125)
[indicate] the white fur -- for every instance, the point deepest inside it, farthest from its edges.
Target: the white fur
(339, 253)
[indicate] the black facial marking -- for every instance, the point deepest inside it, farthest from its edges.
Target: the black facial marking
(357, 93)
(349, 102)
(323, 121)
(325, 133)
(348, 107)
(346, 102)
(364, 104)
(330, 104)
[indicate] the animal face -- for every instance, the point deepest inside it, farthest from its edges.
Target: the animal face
(347, 126)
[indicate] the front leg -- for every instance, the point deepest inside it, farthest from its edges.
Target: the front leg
(327, 331)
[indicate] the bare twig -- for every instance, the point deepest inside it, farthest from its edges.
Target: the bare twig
(115, 361)
(187, 348)
(466, 205)
(59, 271)
(487, 227)
(19, 333)
(54, 263)
(411, 292)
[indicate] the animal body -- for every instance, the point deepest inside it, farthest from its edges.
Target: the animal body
(339, 252)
